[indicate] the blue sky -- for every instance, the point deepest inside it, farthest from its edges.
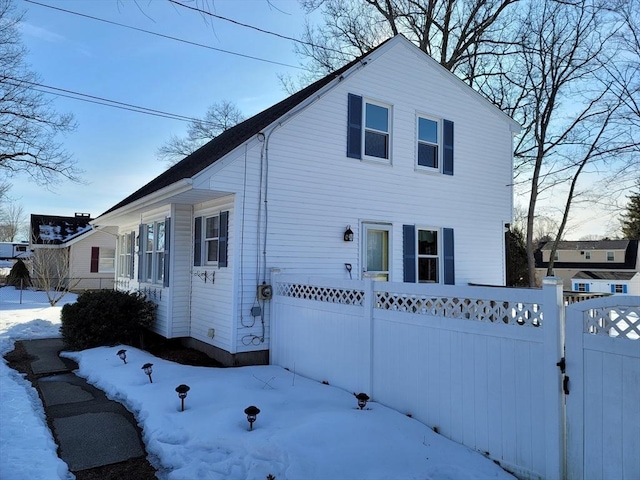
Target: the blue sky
(116, 148)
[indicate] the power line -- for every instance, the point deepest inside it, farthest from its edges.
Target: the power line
(99, 100)
(163, 35)
(258, 29)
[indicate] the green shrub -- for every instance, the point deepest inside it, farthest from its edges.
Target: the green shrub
(19, 275)
(106, 317)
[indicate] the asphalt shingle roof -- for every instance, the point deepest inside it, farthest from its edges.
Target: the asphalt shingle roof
(232, 138)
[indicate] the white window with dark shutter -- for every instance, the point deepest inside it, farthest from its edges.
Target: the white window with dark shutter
(369, 129)
(428, 255)
(210, 240)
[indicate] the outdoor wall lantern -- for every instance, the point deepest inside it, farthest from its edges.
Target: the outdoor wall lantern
(252, 413)
(147, 370)
(348, 234)
(182, 393)
(362, 398)
(123, 355)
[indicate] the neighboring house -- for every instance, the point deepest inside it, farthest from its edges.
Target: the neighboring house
(86, 255)
(391, 168)
(603, 266)
(616, 283)
(14, 251)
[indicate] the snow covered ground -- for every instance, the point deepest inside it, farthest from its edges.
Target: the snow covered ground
(305, 430)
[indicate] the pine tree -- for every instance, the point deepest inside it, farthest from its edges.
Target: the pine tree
(19, 275)
(631, 219)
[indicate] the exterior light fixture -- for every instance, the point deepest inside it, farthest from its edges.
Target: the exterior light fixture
(348, 234)
(182, 393)
(252, 413)
(123, 355)
(362, 398)
(147, 370)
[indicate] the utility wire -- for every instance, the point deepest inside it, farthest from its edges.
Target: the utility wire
(258, 29)
(98, 100)
(163, 35)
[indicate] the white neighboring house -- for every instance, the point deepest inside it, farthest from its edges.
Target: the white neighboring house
(89, 252)
(389, 168)
(616, 283)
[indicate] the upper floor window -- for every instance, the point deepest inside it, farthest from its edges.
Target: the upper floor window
(610, 256)
(376, 131)
(369, 129)
(428, 140)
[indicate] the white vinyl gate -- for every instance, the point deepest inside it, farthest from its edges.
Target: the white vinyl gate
(602, 350)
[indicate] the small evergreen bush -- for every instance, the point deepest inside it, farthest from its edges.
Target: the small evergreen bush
(106, 317)
(19, 275)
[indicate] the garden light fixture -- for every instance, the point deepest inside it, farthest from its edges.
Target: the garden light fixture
(123, 355)
(182, 393)
(147, 370)
(363, 398)
(348, 234)
(252, 413)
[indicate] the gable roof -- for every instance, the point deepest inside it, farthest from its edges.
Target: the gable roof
(56, 230)
(233, 137)
(589, 245)
(228, 140)
(588, 275)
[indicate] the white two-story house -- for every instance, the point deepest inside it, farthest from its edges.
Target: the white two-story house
(390, 168)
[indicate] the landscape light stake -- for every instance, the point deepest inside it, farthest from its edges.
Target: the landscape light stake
(123, 355)
(363, 398)
(147, 369)
(182, 393)
(252, 413)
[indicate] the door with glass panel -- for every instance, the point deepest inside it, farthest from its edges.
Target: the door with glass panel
(376, 251)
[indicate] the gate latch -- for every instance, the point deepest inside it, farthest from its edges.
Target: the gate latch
(562, 365)
(565, 384)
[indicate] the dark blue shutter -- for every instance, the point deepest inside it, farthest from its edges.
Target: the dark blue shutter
(132, 241)
(624, 288)
(613, 288)
(197, 242)
(447, 162)
(141, 244)
(223, 239)
(167, 250)
(95, 259)
(354, 128)
(409, 252)
(586, 285)
(575, 287)
(448, 256)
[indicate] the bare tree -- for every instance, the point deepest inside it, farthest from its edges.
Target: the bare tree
(562, 93)
(50, 272)
(464, 36)
(219, 117)
(29, 125)
(12, 221)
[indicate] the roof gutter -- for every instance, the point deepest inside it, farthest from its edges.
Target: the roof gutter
(175, 188)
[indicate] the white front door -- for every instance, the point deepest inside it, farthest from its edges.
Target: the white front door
(376, 251)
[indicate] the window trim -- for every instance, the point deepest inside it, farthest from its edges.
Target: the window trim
(587, 255)
(439, 145)
(438, 256)
(363, 149)
(102, 258)
(613, 256)
(618, 288)
(151, 271)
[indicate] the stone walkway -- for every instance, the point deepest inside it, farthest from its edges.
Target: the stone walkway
(91, 430)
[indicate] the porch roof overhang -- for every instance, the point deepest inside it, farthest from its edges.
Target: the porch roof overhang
(181, 192)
